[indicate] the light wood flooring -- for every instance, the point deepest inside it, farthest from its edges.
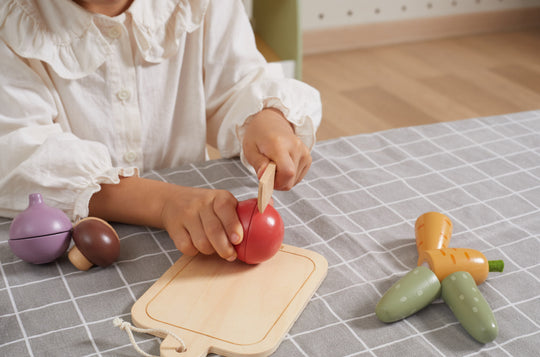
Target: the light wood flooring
(374, 89)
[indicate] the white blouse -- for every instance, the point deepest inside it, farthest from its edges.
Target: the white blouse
(85, 98)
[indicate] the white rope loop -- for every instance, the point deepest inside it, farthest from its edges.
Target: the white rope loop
(129, 328)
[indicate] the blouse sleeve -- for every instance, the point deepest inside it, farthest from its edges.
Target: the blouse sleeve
(38, 155)
(239, 83)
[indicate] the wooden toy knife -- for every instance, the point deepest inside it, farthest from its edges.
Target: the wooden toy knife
(266, 186)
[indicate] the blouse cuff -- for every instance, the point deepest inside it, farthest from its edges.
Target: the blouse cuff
(111, 176)
(304, 116)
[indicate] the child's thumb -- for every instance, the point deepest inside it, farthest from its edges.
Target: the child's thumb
(256, 159)
(260, 165)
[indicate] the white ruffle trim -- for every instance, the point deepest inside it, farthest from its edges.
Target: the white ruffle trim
(81, 207)
(71, 57)
(162, 40)
(77, 52)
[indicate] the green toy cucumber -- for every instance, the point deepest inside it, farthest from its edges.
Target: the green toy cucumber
(414, 291)
(461, 294)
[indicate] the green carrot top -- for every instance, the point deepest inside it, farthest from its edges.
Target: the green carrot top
(496, 265)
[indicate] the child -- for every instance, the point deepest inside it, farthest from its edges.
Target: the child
(96, 91)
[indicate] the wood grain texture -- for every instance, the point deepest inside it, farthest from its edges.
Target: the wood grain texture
(234, 309)
(379, 88)
(266, 186)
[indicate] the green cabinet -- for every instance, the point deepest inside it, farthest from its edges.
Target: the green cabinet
(277, 23)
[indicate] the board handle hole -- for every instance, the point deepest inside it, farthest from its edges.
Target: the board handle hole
(181, 349)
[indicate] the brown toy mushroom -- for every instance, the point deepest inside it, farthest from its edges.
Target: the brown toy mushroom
(96, 243)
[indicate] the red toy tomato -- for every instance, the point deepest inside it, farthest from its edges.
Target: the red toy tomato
(263, 232)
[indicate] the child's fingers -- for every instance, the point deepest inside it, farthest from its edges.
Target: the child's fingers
(300, 159)
(198, 236)
(292, 165)
(255, 158)
(221, 224)
(203, 220)
(285, 173)
(261, 168)
(302, 172)
(290, 154)
(224, 206)
(182, 242)
(231, 223)
(215, 233)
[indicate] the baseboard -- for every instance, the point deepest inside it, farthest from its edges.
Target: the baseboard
(386, 33)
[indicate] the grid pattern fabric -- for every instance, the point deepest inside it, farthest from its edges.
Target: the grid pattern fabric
(356, 207)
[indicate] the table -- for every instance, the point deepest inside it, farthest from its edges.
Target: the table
(357, 207)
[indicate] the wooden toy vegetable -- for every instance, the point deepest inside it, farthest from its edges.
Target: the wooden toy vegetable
(461, 294)
(433, 231)
(453, 273)
(96, 243)
(40, 234)
(444, 262)
(263, 232)
(414, 291)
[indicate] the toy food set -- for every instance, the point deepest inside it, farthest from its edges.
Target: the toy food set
(41, 234)
(451, 273)
(201, 304)
(204, 304)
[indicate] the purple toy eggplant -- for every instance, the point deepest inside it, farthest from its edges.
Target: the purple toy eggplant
(40, 234)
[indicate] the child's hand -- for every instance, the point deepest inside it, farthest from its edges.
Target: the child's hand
(203, 220)
(197, 220)
(270, 137)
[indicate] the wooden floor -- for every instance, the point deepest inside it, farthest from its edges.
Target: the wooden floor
(380, 88)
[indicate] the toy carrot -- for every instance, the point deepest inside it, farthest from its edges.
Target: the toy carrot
(433, 231)
(461, 294)
(446, 261)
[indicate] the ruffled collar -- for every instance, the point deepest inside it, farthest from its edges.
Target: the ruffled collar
(37, 29)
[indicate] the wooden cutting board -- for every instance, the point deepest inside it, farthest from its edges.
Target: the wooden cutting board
(232, 309)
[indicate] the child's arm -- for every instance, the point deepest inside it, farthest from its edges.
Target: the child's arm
(197, 220)
(270, 137)
(239, 85)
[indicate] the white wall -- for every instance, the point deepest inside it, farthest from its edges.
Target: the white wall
(320, 14)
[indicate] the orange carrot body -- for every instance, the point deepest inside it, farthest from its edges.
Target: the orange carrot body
(433, 231)
(444, 262)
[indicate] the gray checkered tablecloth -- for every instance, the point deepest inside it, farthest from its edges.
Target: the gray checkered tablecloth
(356, 207)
